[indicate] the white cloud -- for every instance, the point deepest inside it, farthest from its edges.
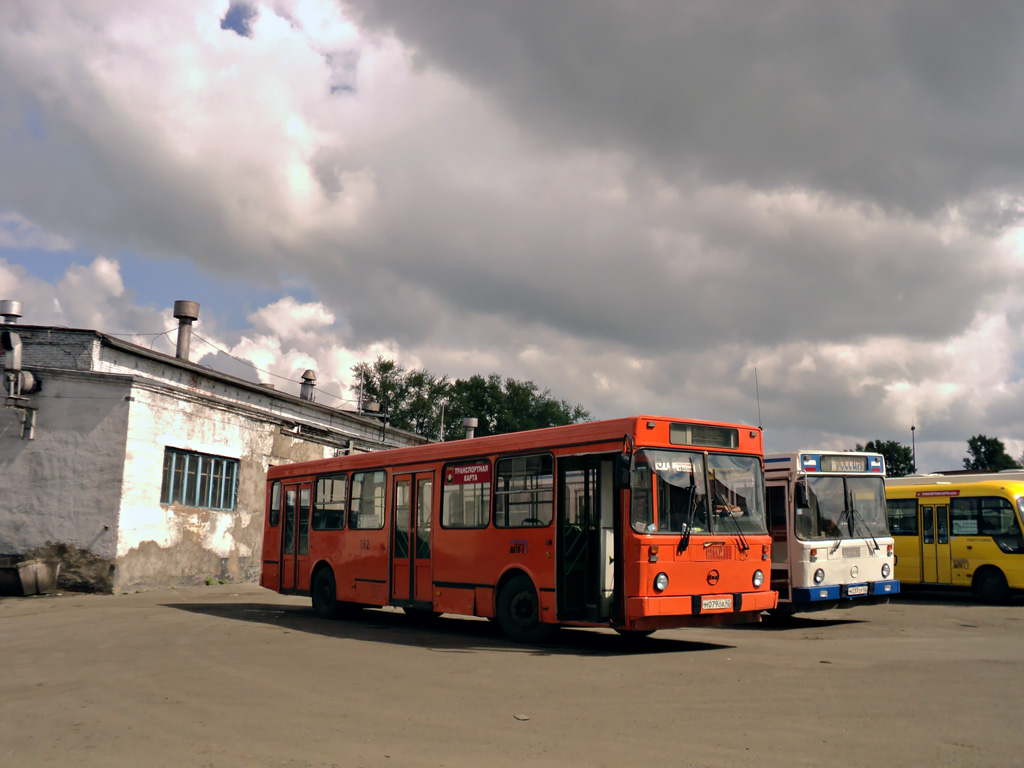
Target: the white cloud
(18, 232)
(635, 228)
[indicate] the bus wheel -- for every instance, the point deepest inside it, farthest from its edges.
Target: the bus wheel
(519, 611)
(325, 594)
(990, 585)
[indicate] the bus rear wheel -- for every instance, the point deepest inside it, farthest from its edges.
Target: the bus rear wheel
(519, 611)
(324, 594)
(991, 586)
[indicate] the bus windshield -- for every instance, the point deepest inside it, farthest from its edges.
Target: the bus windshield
(841, 508)
(737, 500)
(670, 493)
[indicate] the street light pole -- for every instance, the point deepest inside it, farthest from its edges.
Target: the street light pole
(913, 448)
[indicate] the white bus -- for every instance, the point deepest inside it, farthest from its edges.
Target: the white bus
(830, 539)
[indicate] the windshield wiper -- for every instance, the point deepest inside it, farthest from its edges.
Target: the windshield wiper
(839, 530)
(744, 546)
(684, 540)
(855, 515)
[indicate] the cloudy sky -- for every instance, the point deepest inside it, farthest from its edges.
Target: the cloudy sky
(634, 205)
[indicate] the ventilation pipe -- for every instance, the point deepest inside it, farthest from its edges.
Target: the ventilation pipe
(308, 385)
(186, 313)
(10, 311)
(470, 424)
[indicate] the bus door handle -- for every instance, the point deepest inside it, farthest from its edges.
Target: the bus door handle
(969, 546)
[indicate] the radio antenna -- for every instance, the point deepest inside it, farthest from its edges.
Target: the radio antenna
(757, 394)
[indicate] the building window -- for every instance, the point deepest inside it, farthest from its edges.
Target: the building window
(524, 493)
(199, 480)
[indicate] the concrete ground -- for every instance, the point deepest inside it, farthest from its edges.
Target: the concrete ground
(235, 675)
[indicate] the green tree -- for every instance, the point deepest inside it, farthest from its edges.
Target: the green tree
(408, 400)
(416, 400)
(899, 458)
(988, 454)
(505, 405)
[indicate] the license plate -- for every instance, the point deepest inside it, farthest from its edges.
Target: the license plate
(715, 603)
(862, 589)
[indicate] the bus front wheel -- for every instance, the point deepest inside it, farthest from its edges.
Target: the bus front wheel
(324, 594)
(990, 585)
(519, 611)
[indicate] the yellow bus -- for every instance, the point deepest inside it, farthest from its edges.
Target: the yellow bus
(959, 530)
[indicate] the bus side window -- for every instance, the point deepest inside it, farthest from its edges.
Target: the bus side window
(275, 504)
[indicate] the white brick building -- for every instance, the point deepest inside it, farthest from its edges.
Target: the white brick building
(139, 469)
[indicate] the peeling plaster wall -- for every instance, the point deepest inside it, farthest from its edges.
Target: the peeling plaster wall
(65, 485)
(90, 483)
(169, 544)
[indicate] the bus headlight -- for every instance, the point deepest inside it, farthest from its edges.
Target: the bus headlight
(661, 582)
(758, 578)
(886, 570)
(819, 576)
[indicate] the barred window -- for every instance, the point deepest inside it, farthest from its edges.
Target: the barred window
(524, 493)
(329, 509)
(199, 480)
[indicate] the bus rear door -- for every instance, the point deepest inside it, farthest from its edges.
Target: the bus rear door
(295, 535)
(935, 557)
(411, 574)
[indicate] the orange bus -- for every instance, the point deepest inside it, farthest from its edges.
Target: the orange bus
(636, 524)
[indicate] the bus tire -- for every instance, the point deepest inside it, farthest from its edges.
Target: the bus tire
(325, 594)
(991, 587)
(518, 611)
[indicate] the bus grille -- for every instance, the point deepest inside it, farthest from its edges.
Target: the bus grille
(718, 552)
(851, 552)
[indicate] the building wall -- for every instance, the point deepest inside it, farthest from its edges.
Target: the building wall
(65, 484)
(87, 489)
(161, 544)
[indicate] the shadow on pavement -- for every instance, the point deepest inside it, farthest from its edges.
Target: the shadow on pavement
(443, 634)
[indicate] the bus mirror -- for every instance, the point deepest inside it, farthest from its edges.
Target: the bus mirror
(800, 495)
(623, 471)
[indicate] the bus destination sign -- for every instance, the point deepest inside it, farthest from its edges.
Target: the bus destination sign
(468, 473)
(844, 463)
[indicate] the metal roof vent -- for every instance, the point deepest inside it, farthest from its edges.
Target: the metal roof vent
(186, 313)
(470, 424)
(306, 391)
(10, 310)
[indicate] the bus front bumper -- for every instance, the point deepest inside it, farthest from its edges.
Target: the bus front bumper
(672, 611)
(839, 592)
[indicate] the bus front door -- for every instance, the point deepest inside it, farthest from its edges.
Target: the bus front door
(295, 538)
(936, 567)
(586, 525)
(411, 574)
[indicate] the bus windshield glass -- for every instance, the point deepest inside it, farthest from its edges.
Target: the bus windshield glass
(842, 508)
(736, 498)
(670, 493)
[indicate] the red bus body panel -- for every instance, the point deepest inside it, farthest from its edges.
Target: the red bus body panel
(467, 565)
